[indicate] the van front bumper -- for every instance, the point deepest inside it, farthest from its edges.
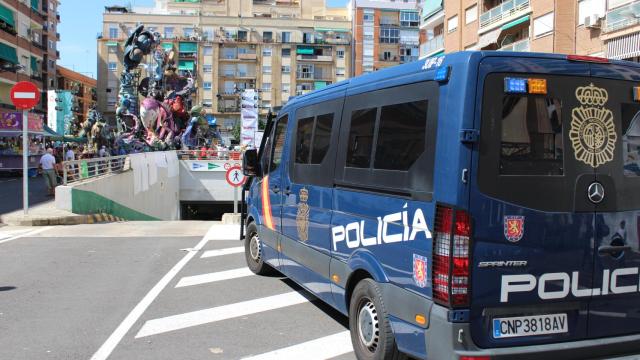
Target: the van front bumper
(446, 340)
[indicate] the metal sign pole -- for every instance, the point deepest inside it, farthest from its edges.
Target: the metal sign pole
(25, 162)
(235, 199)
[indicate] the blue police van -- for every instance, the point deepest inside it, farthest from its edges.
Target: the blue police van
(476, 205)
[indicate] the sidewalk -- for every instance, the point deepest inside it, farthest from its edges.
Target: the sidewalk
(47, 214)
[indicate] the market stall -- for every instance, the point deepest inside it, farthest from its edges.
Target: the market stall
(11, 141)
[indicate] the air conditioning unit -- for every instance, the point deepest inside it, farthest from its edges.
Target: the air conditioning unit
(592, 22)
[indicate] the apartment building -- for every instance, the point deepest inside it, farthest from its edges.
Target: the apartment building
(558, 26)
(282, 48)
(385, 33)
(27, 47)
(82, 89)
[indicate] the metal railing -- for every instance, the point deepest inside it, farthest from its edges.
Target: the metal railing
(522, 45)
(435, 44)
(210, 154)
(503, 11)
(623, 16)
(79, 170)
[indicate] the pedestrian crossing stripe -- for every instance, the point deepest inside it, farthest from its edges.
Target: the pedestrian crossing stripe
(319, 349)
(220, 252)
(214, 277)
(224, 312)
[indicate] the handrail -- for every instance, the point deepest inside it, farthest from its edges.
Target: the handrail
(83, 169)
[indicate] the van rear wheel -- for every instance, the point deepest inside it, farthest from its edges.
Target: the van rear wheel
(253, 252)
(371, 333)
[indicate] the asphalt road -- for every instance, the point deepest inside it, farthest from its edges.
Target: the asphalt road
(11, 192)
(152, 291)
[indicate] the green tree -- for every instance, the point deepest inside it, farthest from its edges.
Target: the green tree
(236, 131)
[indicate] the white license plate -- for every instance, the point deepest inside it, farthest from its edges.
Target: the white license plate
(529, 325)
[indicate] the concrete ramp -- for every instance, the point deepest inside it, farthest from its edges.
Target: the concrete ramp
(149, 191)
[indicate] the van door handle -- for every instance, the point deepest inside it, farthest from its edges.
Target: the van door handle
(612, 249)
(275, 189)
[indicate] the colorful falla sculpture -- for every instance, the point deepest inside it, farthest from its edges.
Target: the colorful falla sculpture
(159, 120)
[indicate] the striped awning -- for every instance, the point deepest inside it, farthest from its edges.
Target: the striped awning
(624, 47)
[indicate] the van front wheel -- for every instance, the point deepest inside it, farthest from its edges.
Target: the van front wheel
(253, 252)
(371, 333)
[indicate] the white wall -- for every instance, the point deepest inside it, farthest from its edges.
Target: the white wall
(150, 188)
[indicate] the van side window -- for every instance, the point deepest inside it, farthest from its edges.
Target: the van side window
(531, 140)
(316, 141)
(321, 138)
(361, 138)
(388, 139)
(278, 143)
(318, 133)
(401, 135)
(303, 140)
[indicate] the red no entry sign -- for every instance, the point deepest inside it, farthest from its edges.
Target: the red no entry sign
(25, 95)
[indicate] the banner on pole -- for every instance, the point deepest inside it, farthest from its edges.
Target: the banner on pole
(249, 118)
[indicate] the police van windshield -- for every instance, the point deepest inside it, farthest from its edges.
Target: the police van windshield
(542, 136)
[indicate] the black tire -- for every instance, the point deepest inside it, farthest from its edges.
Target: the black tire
(253, 252)
(374, 341)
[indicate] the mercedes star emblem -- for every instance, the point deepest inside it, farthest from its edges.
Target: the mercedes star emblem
(595, 192)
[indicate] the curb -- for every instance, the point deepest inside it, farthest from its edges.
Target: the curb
(66, 220)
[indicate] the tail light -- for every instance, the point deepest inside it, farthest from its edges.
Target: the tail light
(591, 59)
(450, 268)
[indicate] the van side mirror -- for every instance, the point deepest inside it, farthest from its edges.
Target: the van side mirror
(250, 163)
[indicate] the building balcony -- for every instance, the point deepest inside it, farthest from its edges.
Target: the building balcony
(503, 13)
(320, 58)
(238, 74)
(522, 45)
(187, 55)
(8, 28)
(247, 56)
(228, 109)
(623, 17)
(314, 76)
(432, 46)
(58, 36)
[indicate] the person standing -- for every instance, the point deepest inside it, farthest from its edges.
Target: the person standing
(70, 155)
(47, 164)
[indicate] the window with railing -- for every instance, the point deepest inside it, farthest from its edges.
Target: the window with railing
(503, 11)
(168, 32)
(623, 16)
(113, 32)
(389, 35)
(305, 71)
(409, 19)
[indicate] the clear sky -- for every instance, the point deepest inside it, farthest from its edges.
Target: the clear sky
(81, 21)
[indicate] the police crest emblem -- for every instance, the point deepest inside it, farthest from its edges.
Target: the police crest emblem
(302, 216)
(513, 228)
(420, 270)
(593, 134)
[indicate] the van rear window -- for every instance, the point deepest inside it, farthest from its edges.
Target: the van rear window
(531, 136)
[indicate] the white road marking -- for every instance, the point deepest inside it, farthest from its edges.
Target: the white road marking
(318, 349)
(224, 312)
(26, 234)
(213, 277)
(107, 348)
(220, 252)
(224, 232)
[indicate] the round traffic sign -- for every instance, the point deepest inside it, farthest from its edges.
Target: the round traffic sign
(25, 95)
(235, 177)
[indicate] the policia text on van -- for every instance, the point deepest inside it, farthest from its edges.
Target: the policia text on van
(478, 205)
